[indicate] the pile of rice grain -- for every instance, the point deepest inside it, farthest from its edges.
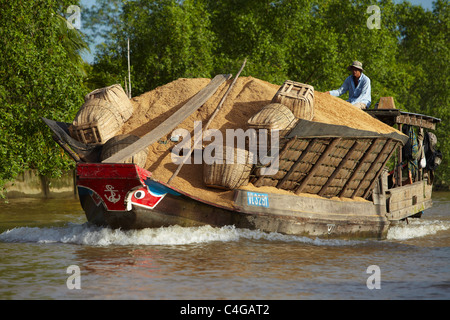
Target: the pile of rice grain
(248, 96)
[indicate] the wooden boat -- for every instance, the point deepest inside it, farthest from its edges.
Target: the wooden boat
(332, 183)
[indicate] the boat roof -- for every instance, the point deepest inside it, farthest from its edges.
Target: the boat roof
(312, 129)
(396, 116)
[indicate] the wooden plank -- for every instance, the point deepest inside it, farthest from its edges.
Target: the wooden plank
(407, 211)
(174, 120)
(197, 141)
(401, 196)
(372, 168)
(366, 193)
(398, 165)
(395, 116)
(408, 200)
(358, 167)
(282, 154)
(317, 165)
(297, 163)
(311, 207)
(339, 167)
(414, 120)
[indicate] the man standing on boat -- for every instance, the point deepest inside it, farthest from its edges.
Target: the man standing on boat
(357, 85)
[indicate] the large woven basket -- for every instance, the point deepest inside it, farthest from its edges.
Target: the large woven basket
(103, 113)
(96, 122)
(273, 116)
(119, 142)
(116, 96)
(227, 175)
(298, 97)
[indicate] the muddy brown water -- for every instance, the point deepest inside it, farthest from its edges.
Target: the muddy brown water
(48, 251)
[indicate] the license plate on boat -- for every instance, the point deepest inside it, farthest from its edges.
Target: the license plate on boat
(258, 199)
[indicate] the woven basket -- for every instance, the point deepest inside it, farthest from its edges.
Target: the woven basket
(117, 143)
(96, 122)
(273, 116)
(116, 96)
(228, 176)
(298, 97)
(103, 113)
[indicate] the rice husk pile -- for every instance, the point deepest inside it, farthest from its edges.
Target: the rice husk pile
(248, 96)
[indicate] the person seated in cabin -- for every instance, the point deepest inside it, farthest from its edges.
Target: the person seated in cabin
(432, 155)
(411, 154)
(357, 85)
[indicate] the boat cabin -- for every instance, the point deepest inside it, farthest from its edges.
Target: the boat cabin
(407, 187)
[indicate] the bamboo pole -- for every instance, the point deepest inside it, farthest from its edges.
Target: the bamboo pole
(197, 141)
(129, 73)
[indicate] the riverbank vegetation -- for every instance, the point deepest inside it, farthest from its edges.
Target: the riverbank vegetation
(404, 50)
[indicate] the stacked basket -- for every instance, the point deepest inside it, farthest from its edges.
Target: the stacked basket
(102, 115)
(274, 116)
(232, 173)
(298, 97)
(292, 102)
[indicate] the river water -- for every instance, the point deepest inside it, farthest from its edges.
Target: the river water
(48, 251)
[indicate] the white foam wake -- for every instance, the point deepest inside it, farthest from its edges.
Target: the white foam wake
(416, 228)
(85, 234)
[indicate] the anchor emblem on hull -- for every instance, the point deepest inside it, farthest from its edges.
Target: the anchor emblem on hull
(112, 197)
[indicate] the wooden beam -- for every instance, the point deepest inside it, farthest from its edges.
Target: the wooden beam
(414, 120)
(198, 140)
(358, 167)
(399, 166)
(174, 120)
(66, 148)
(297, 163)
(366, 193)
(372, 168)
(339, 167)
(285, 149)
(317, 165)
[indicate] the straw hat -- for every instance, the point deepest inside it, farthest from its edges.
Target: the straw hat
(356, 64)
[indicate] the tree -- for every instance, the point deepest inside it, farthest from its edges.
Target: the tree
(424, 50)
(40, 77)
(168, 40)
(310, 41)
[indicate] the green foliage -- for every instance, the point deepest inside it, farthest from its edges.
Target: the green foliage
(41, 76)
(425, 54)
(173, 41)
(311, 41)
